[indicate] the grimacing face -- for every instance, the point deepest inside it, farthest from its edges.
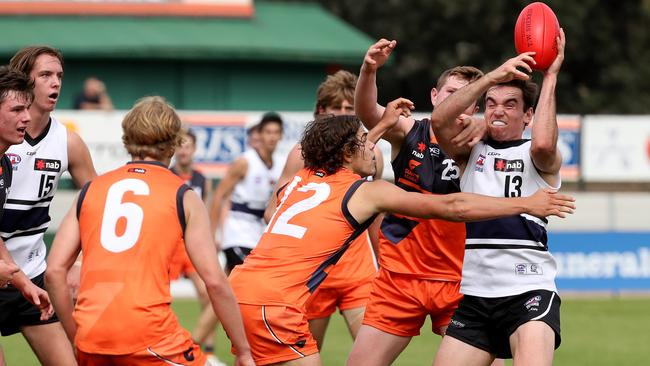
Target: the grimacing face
(504, 113)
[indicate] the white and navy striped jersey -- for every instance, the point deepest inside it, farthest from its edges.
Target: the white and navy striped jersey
(506, 256)
(245, 222)
(37, 166)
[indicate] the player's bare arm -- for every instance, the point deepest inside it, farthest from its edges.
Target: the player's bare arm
(80, 164)
(365, 97)
(7, 267)
(235, 174)
(381, 196)
(390, 118)
(27, 288)
(447, 119)
(291, 167)
(65, 250)
(544, 151)
(200, 248)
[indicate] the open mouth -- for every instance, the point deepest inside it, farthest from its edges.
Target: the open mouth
(53, 96)
(22, 130)
(498, 123)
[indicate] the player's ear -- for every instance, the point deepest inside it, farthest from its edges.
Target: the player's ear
(434, 93)
(528, 116)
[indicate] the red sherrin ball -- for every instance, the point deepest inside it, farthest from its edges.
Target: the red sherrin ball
(536, 30)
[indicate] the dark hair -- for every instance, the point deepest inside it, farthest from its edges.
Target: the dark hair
(327, 140)
(269, 117)
(25, 59)
(528, 91)
(11, 80)
(469, 73)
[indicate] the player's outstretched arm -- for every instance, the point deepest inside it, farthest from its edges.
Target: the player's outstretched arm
(447, 119)
(365, 96)
(200, 248)
(381, 196)
(236, 172)
(80, 164)
(63, 253)
(544, 151)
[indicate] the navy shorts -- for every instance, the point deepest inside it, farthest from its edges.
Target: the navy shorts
(16, 311)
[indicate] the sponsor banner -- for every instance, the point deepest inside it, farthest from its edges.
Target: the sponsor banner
(616, 149)
(221, 136)
(602, 261)
(568, 143)
(199, 8)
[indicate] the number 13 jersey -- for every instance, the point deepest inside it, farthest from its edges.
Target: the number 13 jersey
(37, 166)
(506, 256)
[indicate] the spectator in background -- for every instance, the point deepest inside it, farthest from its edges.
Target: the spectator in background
(93, 96)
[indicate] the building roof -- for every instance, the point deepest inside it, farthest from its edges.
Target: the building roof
(296, 32)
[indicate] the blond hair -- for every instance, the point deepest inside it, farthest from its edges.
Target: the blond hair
(152, 129)
(336, 88)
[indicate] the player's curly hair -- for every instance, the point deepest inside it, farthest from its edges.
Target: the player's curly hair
(152, 128)
(327, 140)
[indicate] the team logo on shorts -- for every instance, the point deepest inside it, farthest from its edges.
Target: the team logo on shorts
(533, 303)
(47, 165)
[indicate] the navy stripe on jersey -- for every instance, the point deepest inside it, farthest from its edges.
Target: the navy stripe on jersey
(81, 197)
(15, 220)
(28, 202)
(24, 233)
(319, 275)
(507, 228)
(505, 144)
(344, 203)
(242, 207)
(395, 229)
(180, 207)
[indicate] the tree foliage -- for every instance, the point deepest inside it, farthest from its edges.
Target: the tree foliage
(607, 66)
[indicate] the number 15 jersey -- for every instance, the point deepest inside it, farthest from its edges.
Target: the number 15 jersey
(37, 166)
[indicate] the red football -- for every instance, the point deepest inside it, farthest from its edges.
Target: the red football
(536, 30)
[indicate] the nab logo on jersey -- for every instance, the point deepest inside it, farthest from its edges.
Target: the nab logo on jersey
(503, 165)
(137, 170)
(47, 165)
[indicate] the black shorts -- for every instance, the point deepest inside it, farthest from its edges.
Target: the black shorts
(487, 323)
(235, 256)
(16, 311)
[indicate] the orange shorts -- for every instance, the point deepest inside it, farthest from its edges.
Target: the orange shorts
(277, 333)
(165, 352)
(400, 303)
(180, 264)
(324, 301)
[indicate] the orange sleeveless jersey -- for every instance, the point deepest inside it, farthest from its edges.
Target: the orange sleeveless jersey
(307, 231)
(130, 227)
(357, 265)
(432, 250)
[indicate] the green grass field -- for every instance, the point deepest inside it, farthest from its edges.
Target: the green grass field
(595, 332)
